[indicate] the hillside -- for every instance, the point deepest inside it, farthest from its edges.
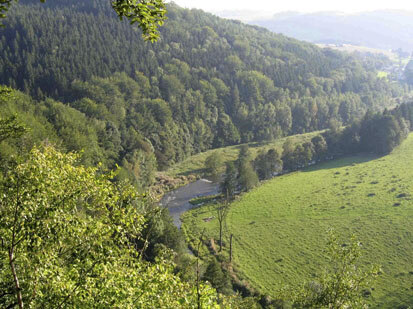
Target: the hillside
(379, 29)
(280, 227)
(207, 83)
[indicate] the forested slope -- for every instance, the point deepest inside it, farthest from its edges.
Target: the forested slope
(207, 83)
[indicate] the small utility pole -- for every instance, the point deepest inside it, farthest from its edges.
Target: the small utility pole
(198, 272)
(230, 248)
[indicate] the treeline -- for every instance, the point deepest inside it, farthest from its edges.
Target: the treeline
(207, 83)
(377, 133)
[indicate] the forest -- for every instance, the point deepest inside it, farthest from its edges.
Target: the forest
(206, 83)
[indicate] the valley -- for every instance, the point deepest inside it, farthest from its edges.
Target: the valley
(155, 156)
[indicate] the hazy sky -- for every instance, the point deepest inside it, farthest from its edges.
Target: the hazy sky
(269, 7)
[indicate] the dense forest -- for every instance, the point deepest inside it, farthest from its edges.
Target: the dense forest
(89, 82)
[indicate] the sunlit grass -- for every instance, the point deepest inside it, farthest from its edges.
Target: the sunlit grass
(280, 227)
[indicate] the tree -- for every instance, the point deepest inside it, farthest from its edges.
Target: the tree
(261, 165)
(227, 132)
(218, 279)
(342, 286)
(408, 72)
(288, 155)
(229, 184)
(248, 178)
(228, 187)
(381, 133)
(307, 154)
(148, 14)
(268, 164)
(320, 147)
(10, 128)
(244, 154)
(67, 240)
(222, 212)
(213, 165)
(275, 162)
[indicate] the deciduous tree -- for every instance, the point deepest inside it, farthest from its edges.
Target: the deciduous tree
(213, 165)
(343, 285)
(67, 239)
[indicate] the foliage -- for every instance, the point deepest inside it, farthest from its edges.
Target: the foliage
(217, 277)
(213, 165)
(320, 147)
(247, 176)
(229, 184)
(344, 284)
(268, 164)
(9, 128)
(377, 133)
(408, 72)
(147, 14)
(67, 241)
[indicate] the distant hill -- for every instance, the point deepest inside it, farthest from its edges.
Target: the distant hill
(385, 29)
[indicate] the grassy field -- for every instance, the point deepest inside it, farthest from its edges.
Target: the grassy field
(195, 164)
(280, 227)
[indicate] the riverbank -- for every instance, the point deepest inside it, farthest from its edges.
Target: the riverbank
(165, 184)
(177, 201)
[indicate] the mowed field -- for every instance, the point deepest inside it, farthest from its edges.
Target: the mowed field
(280, 227)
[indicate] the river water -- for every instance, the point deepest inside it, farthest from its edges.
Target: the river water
(177, 201)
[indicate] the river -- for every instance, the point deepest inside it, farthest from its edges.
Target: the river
(177, 201)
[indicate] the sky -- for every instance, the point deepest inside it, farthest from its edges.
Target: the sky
(270, 7)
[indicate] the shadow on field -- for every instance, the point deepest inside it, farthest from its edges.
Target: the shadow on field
(251, 145)
(404, 302)
(342, 162)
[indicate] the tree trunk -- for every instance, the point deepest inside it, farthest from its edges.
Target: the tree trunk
(220, 236)
(230, 248)
(16, 279)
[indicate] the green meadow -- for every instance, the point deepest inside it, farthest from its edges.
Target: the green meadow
(280, 227)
